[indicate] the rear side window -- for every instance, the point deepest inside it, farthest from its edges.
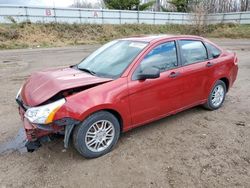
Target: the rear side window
(213, 52)
(192, 51)
(163, 57)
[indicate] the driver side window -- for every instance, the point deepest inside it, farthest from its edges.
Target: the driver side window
(163, 57)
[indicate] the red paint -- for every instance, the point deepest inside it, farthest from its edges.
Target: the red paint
(44, 84)
(137, 102)
(95, 14)
(48, 12)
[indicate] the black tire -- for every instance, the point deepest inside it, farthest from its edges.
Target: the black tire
(81, 130)
(209, 104)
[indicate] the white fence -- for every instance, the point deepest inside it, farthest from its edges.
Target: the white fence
(97, 16)
(232, 17)
(102, 16)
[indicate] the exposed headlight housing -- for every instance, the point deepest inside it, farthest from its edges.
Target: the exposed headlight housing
(44, 114)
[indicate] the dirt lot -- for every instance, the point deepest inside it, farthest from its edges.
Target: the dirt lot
(195, 148)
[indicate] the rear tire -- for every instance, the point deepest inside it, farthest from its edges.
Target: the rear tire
(96, 135)
(216, 96)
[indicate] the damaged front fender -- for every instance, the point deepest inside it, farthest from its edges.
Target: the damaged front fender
(63, 126)
(68, 130)
(69, 124)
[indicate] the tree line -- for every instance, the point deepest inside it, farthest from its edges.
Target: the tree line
(210, 6)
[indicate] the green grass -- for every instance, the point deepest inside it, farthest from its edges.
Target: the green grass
(231, 31)
(27, 35)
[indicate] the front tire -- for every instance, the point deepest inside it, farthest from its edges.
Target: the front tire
(97, 134)
(216, 96)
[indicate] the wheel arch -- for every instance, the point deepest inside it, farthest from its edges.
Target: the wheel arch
(226, 81)
(69, 129)
(223, 78)
(117, 115)
(109, 109)
(207, 103)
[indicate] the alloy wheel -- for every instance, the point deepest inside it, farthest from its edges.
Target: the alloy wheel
(100, 135)
(218, 95)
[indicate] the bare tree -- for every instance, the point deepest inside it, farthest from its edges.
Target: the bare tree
(87, 4)
(244, 5)
(211, 6)
(222, 6)
(198, 17)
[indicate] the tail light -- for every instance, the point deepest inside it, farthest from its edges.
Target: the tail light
(235, 59)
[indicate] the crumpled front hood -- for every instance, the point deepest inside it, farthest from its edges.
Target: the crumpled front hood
(43, 85)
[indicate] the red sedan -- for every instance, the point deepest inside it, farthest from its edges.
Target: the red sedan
(122, 85)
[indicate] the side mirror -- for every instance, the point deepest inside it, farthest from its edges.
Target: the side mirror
(149, 73)
(215, 55)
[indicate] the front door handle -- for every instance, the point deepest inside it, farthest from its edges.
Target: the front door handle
(173, 74)
(209, 64)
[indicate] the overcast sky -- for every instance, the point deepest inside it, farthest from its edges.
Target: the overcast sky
(57, 3)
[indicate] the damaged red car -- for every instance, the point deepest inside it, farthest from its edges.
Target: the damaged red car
(122, 85)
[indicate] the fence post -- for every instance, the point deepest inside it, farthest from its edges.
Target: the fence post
(154, 18)
(102, 16)
(138, 18)
(120, 16)
(26, 14)
(223, 15)
(55, 14)
(80, 15)
(240, 17)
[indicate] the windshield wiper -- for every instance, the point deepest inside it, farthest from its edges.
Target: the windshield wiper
(87, 70)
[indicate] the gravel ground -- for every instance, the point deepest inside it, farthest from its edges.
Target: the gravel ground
(195, 148)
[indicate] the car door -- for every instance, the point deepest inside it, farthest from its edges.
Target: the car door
(152, 98)
(197, 70)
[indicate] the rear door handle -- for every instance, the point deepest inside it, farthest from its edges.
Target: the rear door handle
(209, 64)
(173, 74)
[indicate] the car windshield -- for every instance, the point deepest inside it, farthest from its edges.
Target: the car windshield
(112, 59)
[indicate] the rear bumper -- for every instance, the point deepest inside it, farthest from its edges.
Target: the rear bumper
(233, 75)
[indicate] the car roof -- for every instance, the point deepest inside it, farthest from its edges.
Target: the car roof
(156, 38)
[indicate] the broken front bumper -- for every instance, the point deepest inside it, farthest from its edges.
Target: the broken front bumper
(34, 132)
